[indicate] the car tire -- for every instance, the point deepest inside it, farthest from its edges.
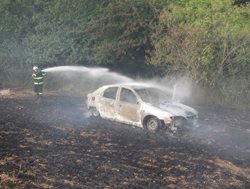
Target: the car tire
(153, 124)
(94, 112)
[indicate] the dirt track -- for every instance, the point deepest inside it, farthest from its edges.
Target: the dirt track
(52, 144)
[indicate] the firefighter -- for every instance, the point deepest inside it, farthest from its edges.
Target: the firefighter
(38, 76)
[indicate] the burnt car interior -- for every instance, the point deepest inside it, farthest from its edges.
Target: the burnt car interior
(110, 93)
(128, 96)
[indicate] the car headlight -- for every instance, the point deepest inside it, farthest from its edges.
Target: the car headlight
(167, 120)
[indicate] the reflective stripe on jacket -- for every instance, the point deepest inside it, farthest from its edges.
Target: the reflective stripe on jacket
(38, 78)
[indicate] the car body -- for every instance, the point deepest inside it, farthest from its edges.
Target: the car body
(140, 105)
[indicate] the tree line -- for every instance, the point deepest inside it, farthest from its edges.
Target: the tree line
(207, 40)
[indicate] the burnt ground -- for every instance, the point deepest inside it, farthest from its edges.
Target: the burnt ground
(52, 144)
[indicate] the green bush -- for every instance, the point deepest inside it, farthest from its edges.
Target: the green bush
(210, 41)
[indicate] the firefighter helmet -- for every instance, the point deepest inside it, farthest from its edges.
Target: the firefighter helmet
(35, 68)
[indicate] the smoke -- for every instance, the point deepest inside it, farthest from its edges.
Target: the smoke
(180, 89)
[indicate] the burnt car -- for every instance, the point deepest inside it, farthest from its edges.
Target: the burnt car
(141, 105)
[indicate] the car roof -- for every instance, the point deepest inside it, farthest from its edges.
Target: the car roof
(134, 85)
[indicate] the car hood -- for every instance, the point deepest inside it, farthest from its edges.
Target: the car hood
(178, 109)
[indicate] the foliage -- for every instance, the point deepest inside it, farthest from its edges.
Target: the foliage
(80, 31)
(210, 40)
(121, 31)
(241, 2)
(14, 26)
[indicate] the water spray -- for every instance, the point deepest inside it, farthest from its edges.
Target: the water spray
(92, 71)
(90, 78)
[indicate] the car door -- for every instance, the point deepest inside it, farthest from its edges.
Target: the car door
(128, 106)
(108, 103)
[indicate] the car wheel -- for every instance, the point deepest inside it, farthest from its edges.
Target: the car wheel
(153, 124)
(94, 112)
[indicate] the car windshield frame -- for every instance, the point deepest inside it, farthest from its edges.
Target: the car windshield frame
(153, 95)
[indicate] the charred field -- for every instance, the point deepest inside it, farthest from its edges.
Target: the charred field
(52, 144)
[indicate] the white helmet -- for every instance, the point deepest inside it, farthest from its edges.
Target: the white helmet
(35, 68)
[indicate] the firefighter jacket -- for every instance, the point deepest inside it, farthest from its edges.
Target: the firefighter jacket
(38, 77)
